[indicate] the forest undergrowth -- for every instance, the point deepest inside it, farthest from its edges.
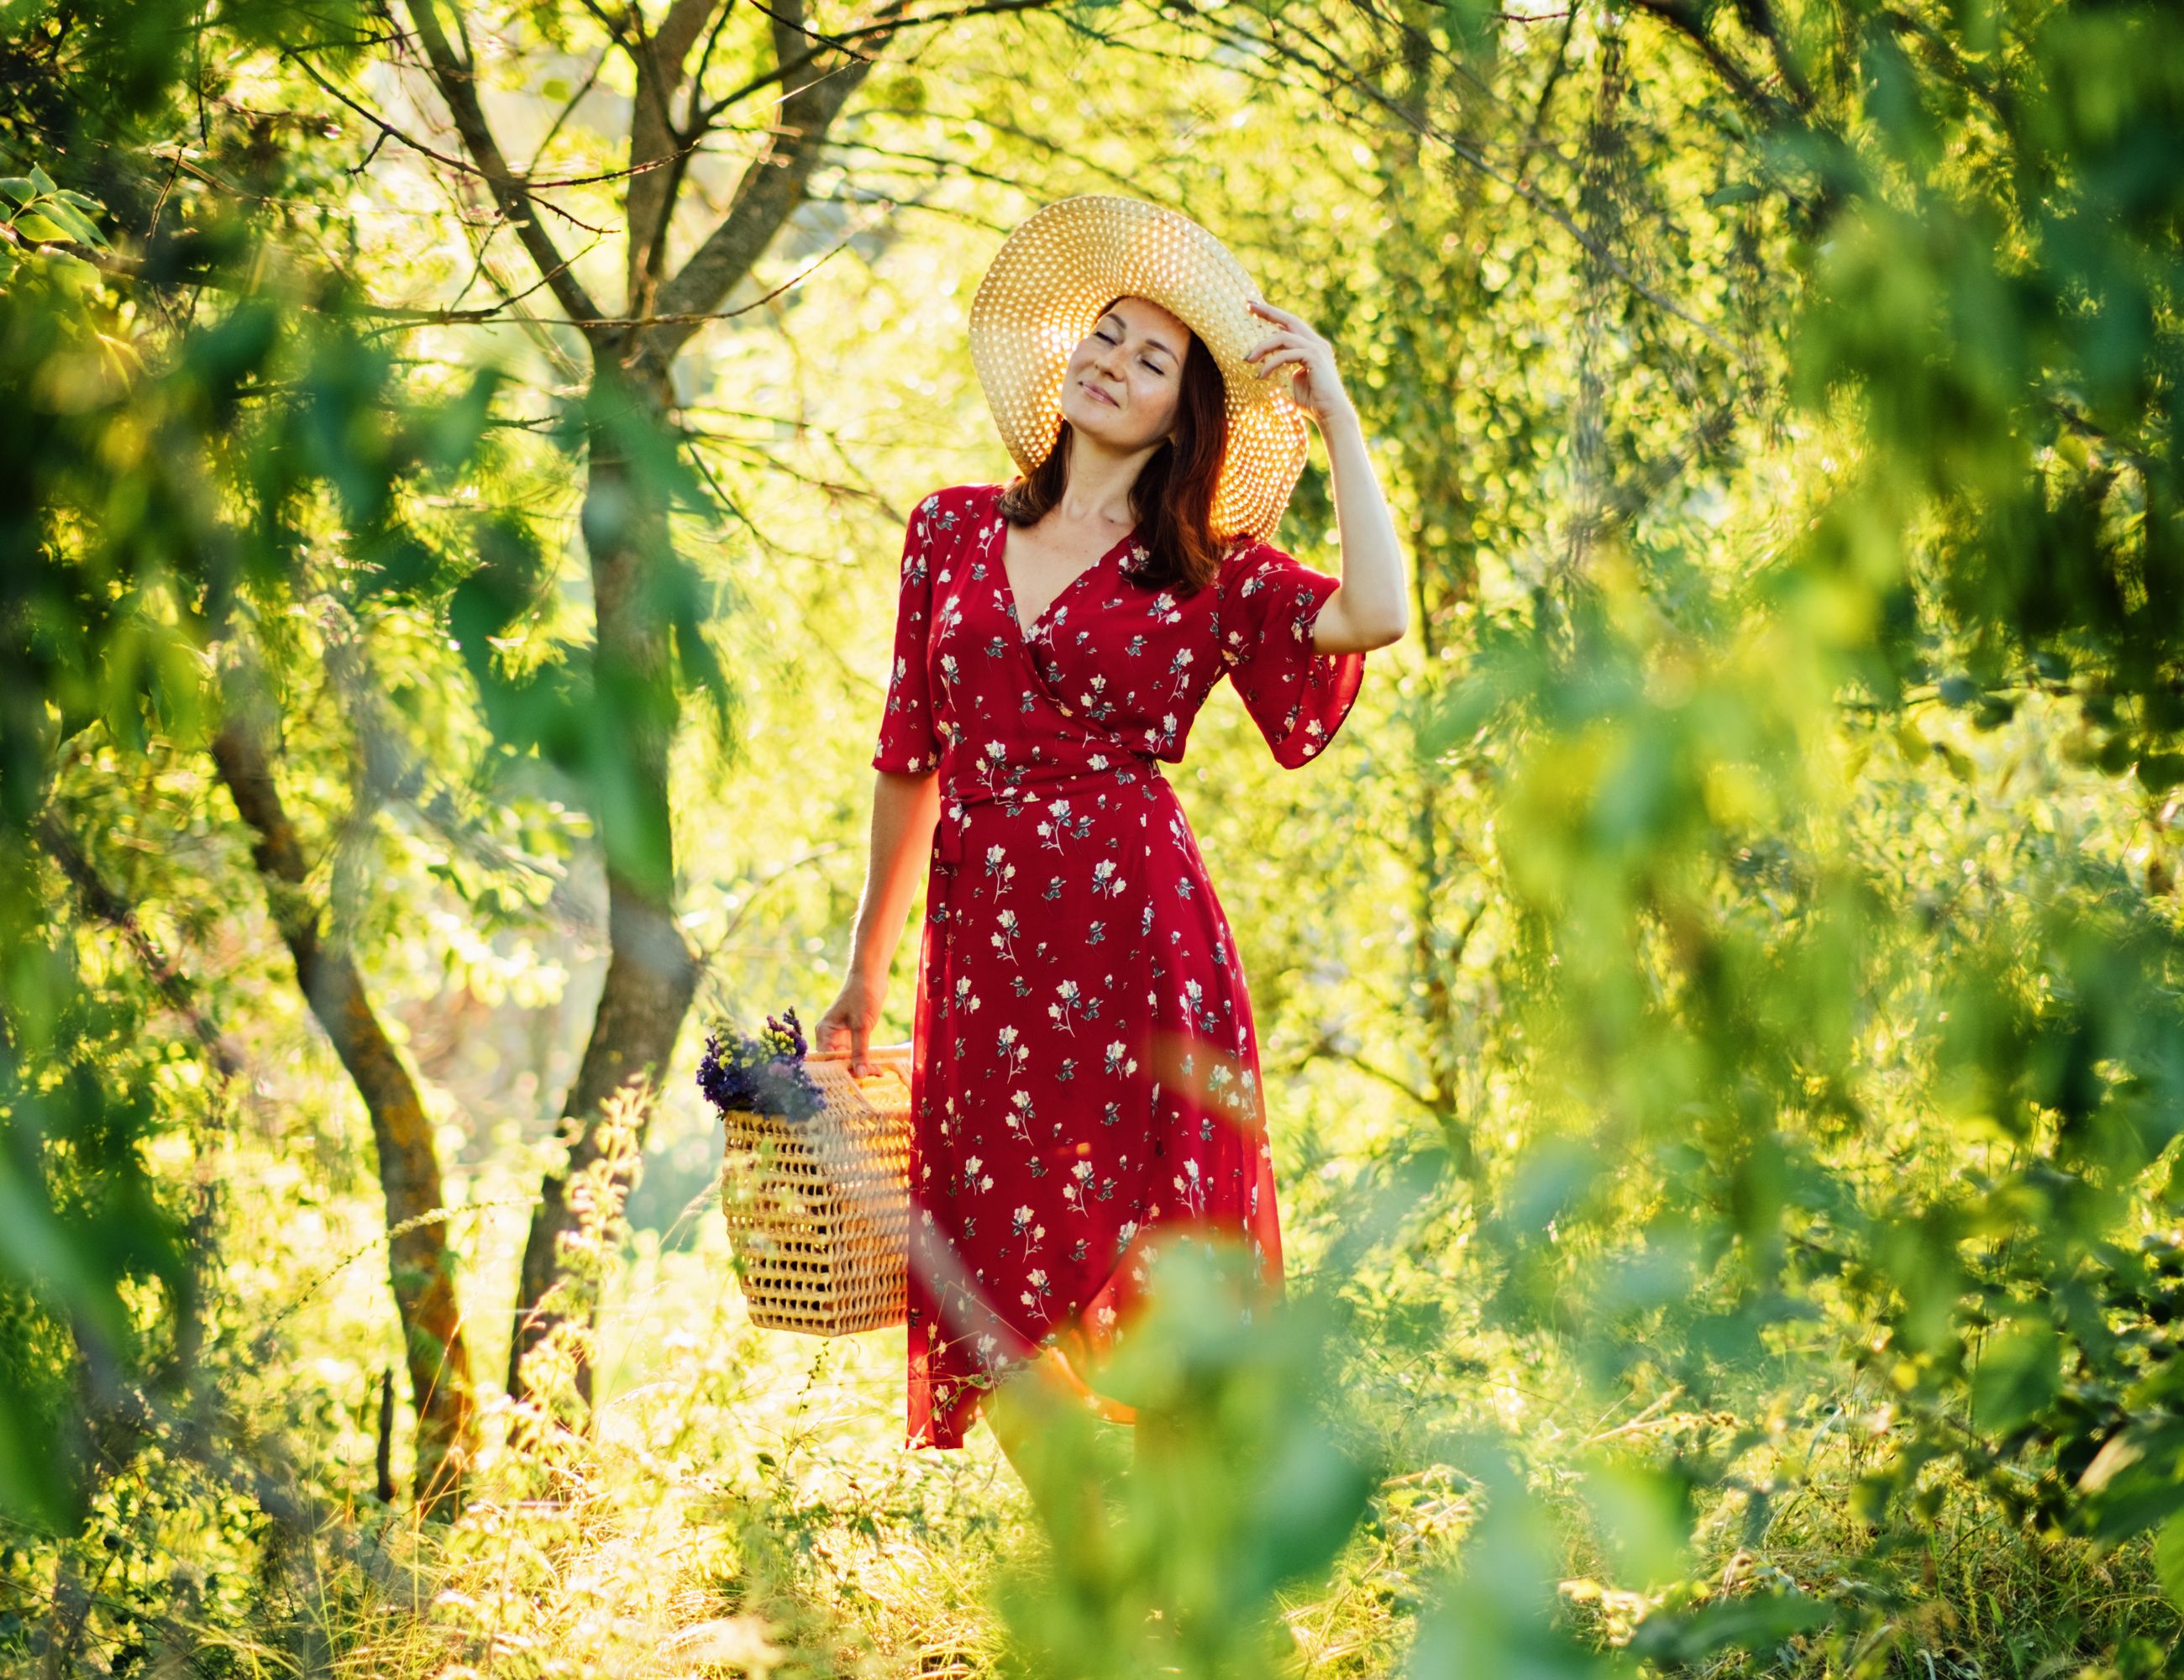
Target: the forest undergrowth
(740, 1501)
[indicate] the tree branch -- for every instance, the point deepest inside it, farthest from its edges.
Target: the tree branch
(529, 181)
(1759, 19)
(459, 91)
(654, 141)
(768, 193)
(786, 67)
(1332, 72)
(1327, 1044)
(106, 905)
(1686, 20)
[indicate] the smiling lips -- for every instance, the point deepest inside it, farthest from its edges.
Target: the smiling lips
(1100, 394)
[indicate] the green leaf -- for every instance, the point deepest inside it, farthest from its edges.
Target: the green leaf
(72, 272)
(2169, 1558)
(1752, 1624)
(18, 187)
(1644, 1517)
(2161, 771)
(2020, 1372)
(76, 224)
(39, 228)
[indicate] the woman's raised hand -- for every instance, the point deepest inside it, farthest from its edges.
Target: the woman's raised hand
(1316, 387)
(849, 1022)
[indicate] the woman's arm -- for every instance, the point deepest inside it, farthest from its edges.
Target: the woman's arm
(1370, 610)
(906, 809)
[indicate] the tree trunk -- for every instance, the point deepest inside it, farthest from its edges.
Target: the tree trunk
(418, 1264)
(651, 973)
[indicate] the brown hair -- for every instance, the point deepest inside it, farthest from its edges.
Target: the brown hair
(1172, 498)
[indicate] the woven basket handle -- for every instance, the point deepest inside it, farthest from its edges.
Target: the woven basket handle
(886, 1054)
(830, 1069)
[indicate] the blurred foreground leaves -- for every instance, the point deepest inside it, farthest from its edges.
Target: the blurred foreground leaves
(1244, 1482)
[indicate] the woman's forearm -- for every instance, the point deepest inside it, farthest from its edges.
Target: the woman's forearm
(905, 809)
(1371, 609)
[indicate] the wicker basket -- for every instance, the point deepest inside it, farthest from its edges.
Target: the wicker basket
(818, 1209)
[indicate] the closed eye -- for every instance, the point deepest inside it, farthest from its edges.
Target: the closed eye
(1143, 361)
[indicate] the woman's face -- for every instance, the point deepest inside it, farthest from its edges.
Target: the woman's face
(1125, 379)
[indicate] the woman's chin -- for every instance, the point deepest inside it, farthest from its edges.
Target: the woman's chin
(1087, 415)
(1096, 420)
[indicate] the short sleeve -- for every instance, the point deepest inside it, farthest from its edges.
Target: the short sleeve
(908, 740)
(1299, 698)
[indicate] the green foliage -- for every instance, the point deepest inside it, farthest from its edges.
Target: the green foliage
(1740, 940)
(1826, 1031)
(1997, 287)
(1242, 1484)
(159, 486)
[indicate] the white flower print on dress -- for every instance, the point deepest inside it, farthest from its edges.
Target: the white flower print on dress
(1061, 826)
(1019, 1116)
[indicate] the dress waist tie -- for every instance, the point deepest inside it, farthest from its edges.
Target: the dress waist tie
(957, 797)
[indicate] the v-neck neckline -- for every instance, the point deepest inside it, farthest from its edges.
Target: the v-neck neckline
(1025, 632)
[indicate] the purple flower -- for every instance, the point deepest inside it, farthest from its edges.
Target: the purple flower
(791, 1034)
(764, 1074)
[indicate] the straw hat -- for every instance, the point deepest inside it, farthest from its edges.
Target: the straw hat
(1044, 292)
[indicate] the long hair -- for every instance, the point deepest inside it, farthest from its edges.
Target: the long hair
(1173, 498)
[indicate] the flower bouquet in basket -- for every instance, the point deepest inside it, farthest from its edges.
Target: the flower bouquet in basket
(815, 1178)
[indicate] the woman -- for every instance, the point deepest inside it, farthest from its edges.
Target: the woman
(1084, 1075)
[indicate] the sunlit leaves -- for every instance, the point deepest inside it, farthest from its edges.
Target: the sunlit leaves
(1242, 1484)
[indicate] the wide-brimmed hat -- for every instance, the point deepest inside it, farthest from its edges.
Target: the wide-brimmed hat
(1045, 290)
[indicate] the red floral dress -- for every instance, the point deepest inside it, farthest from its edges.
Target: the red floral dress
(1085, 1081)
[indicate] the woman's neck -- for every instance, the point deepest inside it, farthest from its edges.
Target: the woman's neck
(1100, 481)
